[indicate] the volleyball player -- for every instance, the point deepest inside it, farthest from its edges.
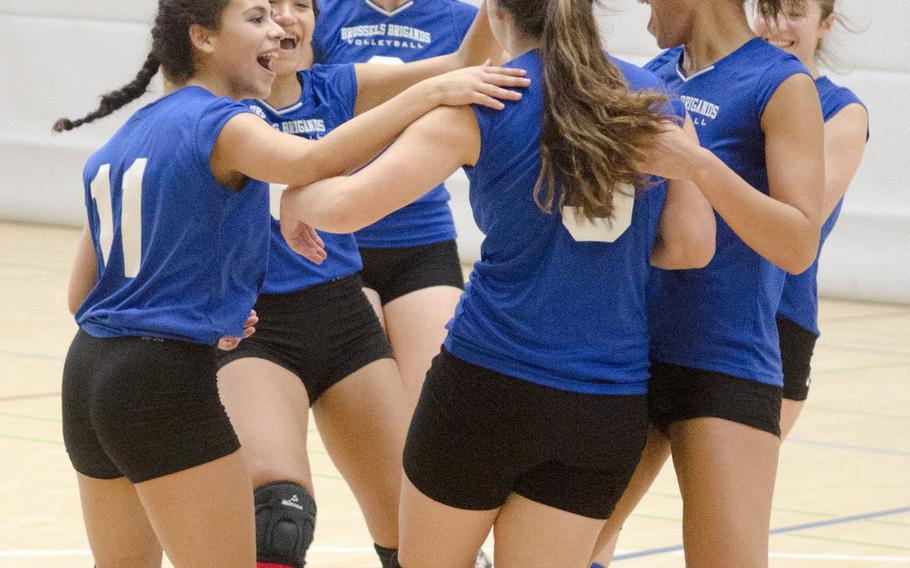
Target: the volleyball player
(411, 268)
(533, 417)
(715, 392)
(802, 31)
(179, 231)
(319, 343)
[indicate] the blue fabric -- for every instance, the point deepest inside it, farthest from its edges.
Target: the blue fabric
(799, 302)
(540, 305)
(359, 31)
(329, 93)
(204, 248)
(722, 318)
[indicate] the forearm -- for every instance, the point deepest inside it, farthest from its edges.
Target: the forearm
(777, 231)
(84, 273)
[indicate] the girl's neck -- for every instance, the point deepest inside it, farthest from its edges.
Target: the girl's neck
(286, 91)
(390, 5)
(719, 29)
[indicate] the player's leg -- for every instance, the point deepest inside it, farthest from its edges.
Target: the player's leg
(434, 534)
(653, 458)
(363, 420)
(119, 533)
(419, 288)
(268, 407)
(203, 516)
(726, 473)
(533, 535)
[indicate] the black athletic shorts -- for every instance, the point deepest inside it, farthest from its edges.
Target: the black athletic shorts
(322, 334)
(796, 348)
(394, 272)
(142, 407)
(477, 436)
(681, 393)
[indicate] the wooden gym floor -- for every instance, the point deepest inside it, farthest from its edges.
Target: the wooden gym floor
(843, 493)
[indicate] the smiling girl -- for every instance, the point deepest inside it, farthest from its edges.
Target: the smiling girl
(172, 259)
(318, 342)
(802, 31)
(715, 393)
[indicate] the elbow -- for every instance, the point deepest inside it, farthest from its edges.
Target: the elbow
(340, 216)
(801, 256)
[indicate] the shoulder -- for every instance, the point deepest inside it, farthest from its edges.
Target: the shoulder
(638, 78)
(835, 98)
(668, 58)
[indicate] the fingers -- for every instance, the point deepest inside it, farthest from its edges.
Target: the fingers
(228, 343)
(510, 71)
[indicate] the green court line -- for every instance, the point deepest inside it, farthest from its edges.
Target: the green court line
(845, 541)
(27, 439)
(25, 417)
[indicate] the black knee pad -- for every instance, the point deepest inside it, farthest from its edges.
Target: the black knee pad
(285, 522)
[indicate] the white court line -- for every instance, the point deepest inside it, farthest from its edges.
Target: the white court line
(369, 550)
(814, 556)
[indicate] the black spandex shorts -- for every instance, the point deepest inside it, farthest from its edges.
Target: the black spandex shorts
(796, 348)
(394, 272)
(322, 334)
(478, 435)
(142, 407)
(681, 393)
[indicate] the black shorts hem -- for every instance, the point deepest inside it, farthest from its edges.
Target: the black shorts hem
(478, 435)
(396, 272)
(321, 334)
(678, 393)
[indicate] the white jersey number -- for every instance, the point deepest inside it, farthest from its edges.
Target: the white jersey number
(602, 230)
(386, 60)
(130, 222)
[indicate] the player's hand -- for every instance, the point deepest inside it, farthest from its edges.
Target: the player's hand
(484, 85)
(249, 328)
(671, 154)
(302, 238)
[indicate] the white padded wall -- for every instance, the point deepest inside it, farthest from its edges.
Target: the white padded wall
(58, 56)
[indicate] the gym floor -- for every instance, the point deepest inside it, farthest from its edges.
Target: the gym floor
(843, 491)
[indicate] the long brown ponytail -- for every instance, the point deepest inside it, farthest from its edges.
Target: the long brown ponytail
(595, 131)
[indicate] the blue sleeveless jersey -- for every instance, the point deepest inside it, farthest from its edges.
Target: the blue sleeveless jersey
(360, 31)
(540, 305)
(179, 255)
(799, 302)
(722, 318)
(327, 101)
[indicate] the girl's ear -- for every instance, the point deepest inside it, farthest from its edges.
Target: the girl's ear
(826, 25)
(202, 38)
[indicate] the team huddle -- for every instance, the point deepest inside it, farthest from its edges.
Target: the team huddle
(272, 235)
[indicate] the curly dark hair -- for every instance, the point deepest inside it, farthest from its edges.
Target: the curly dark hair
(171, 51)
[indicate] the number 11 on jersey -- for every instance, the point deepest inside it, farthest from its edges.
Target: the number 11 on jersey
(129, 225)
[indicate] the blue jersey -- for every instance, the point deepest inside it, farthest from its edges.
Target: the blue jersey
(179, 255)
(552, 301)
(722, 318)
(327, 101)
(360, 31)
(799, 302)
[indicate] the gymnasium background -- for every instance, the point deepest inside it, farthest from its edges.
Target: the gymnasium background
(58, 56)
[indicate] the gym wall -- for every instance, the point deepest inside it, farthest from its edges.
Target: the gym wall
(59, 56)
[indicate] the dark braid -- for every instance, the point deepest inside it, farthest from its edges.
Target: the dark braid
(171, 50)
(116, 99)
